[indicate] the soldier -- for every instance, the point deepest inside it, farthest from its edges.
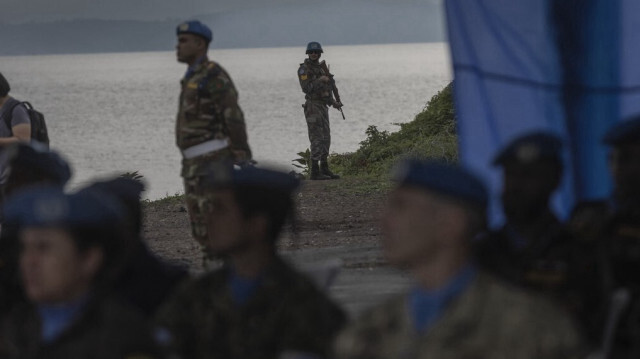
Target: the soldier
(615, 226)
(210, 125)
(533, 249)
(25, 166)
(67, 247)
(455, 310)
(317, 86)
(138, 264)
(256, 306)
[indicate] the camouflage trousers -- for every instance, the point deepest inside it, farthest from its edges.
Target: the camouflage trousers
(193, 172)
(317, 115)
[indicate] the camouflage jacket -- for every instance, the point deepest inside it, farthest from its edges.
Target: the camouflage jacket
(615, 235)
(489, 320)
(108, 328)
(287, 313)
(555, 264)
(314, 89)
(208, 110)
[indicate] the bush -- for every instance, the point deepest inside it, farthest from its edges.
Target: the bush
(432, 134)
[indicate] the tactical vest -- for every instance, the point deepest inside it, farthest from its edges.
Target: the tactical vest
(321, 91)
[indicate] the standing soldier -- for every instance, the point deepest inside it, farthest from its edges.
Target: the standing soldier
(455, 310)
(317, 84)
(256, 305)
(533, 249)
(210, 125)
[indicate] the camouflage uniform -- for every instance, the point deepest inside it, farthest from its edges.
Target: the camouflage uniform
(107, 329)
(616, 237)
(318, 97)
(554, 263)
(208, 110)
(489, 320)
(286, 314)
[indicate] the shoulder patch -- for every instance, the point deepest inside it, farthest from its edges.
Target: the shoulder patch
(301, 71)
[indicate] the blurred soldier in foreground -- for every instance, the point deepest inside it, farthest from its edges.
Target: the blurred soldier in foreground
(210, 125)
(67, 247)
(317, 85)
(615, 226)
(256, 306)
(533, 249)
(454, 310)
(24, 166)
(140, 277)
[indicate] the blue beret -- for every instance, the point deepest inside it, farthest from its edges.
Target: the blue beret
(531, 147)
(627, 131)
(35, 155)
(195, 27)
(443, 178)
(228, 177)
(51, 207)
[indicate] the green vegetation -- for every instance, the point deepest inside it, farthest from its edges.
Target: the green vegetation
(432, 134)
(177, 198)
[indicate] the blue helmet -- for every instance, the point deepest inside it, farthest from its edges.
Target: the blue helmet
(314, 46)
(197, 28)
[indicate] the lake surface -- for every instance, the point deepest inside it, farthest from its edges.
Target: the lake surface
(114, 113)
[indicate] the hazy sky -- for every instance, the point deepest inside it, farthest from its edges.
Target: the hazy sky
(19, 11)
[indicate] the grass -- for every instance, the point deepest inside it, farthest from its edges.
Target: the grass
(432, 134)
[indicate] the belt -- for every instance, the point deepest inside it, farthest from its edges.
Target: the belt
(204, 148)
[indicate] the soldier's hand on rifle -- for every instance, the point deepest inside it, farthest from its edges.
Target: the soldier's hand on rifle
(324, 78)
(337, 104)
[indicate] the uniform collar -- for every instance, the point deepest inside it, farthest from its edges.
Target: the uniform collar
(427, 305)
(195, 67)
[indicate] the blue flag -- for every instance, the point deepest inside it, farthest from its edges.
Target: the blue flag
(565, 66)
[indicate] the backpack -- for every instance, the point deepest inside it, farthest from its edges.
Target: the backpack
(38, 125)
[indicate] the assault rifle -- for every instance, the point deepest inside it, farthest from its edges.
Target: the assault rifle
(324, 66)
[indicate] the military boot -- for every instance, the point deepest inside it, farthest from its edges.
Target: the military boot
(315, 172)
(324, 169)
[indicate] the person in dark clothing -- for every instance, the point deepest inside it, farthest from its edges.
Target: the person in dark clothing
(141, 278)
(534, 249)
(68, 243)
(256, 305)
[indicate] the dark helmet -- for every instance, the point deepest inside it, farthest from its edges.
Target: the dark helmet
(314, 46)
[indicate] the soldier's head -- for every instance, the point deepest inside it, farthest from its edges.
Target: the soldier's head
(128, 193)
(26, 165)
(624, 160)
(66, 241)
(4, 86)
(193, 41)
(246, 206)
(435, 210)
(314, 50)
(532, 170)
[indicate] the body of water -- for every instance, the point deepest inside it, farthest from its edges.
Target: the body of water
(114, 113)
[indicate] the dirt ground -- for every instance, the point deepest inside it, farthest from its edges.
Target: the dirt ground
(337, 227)
(330, 214)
